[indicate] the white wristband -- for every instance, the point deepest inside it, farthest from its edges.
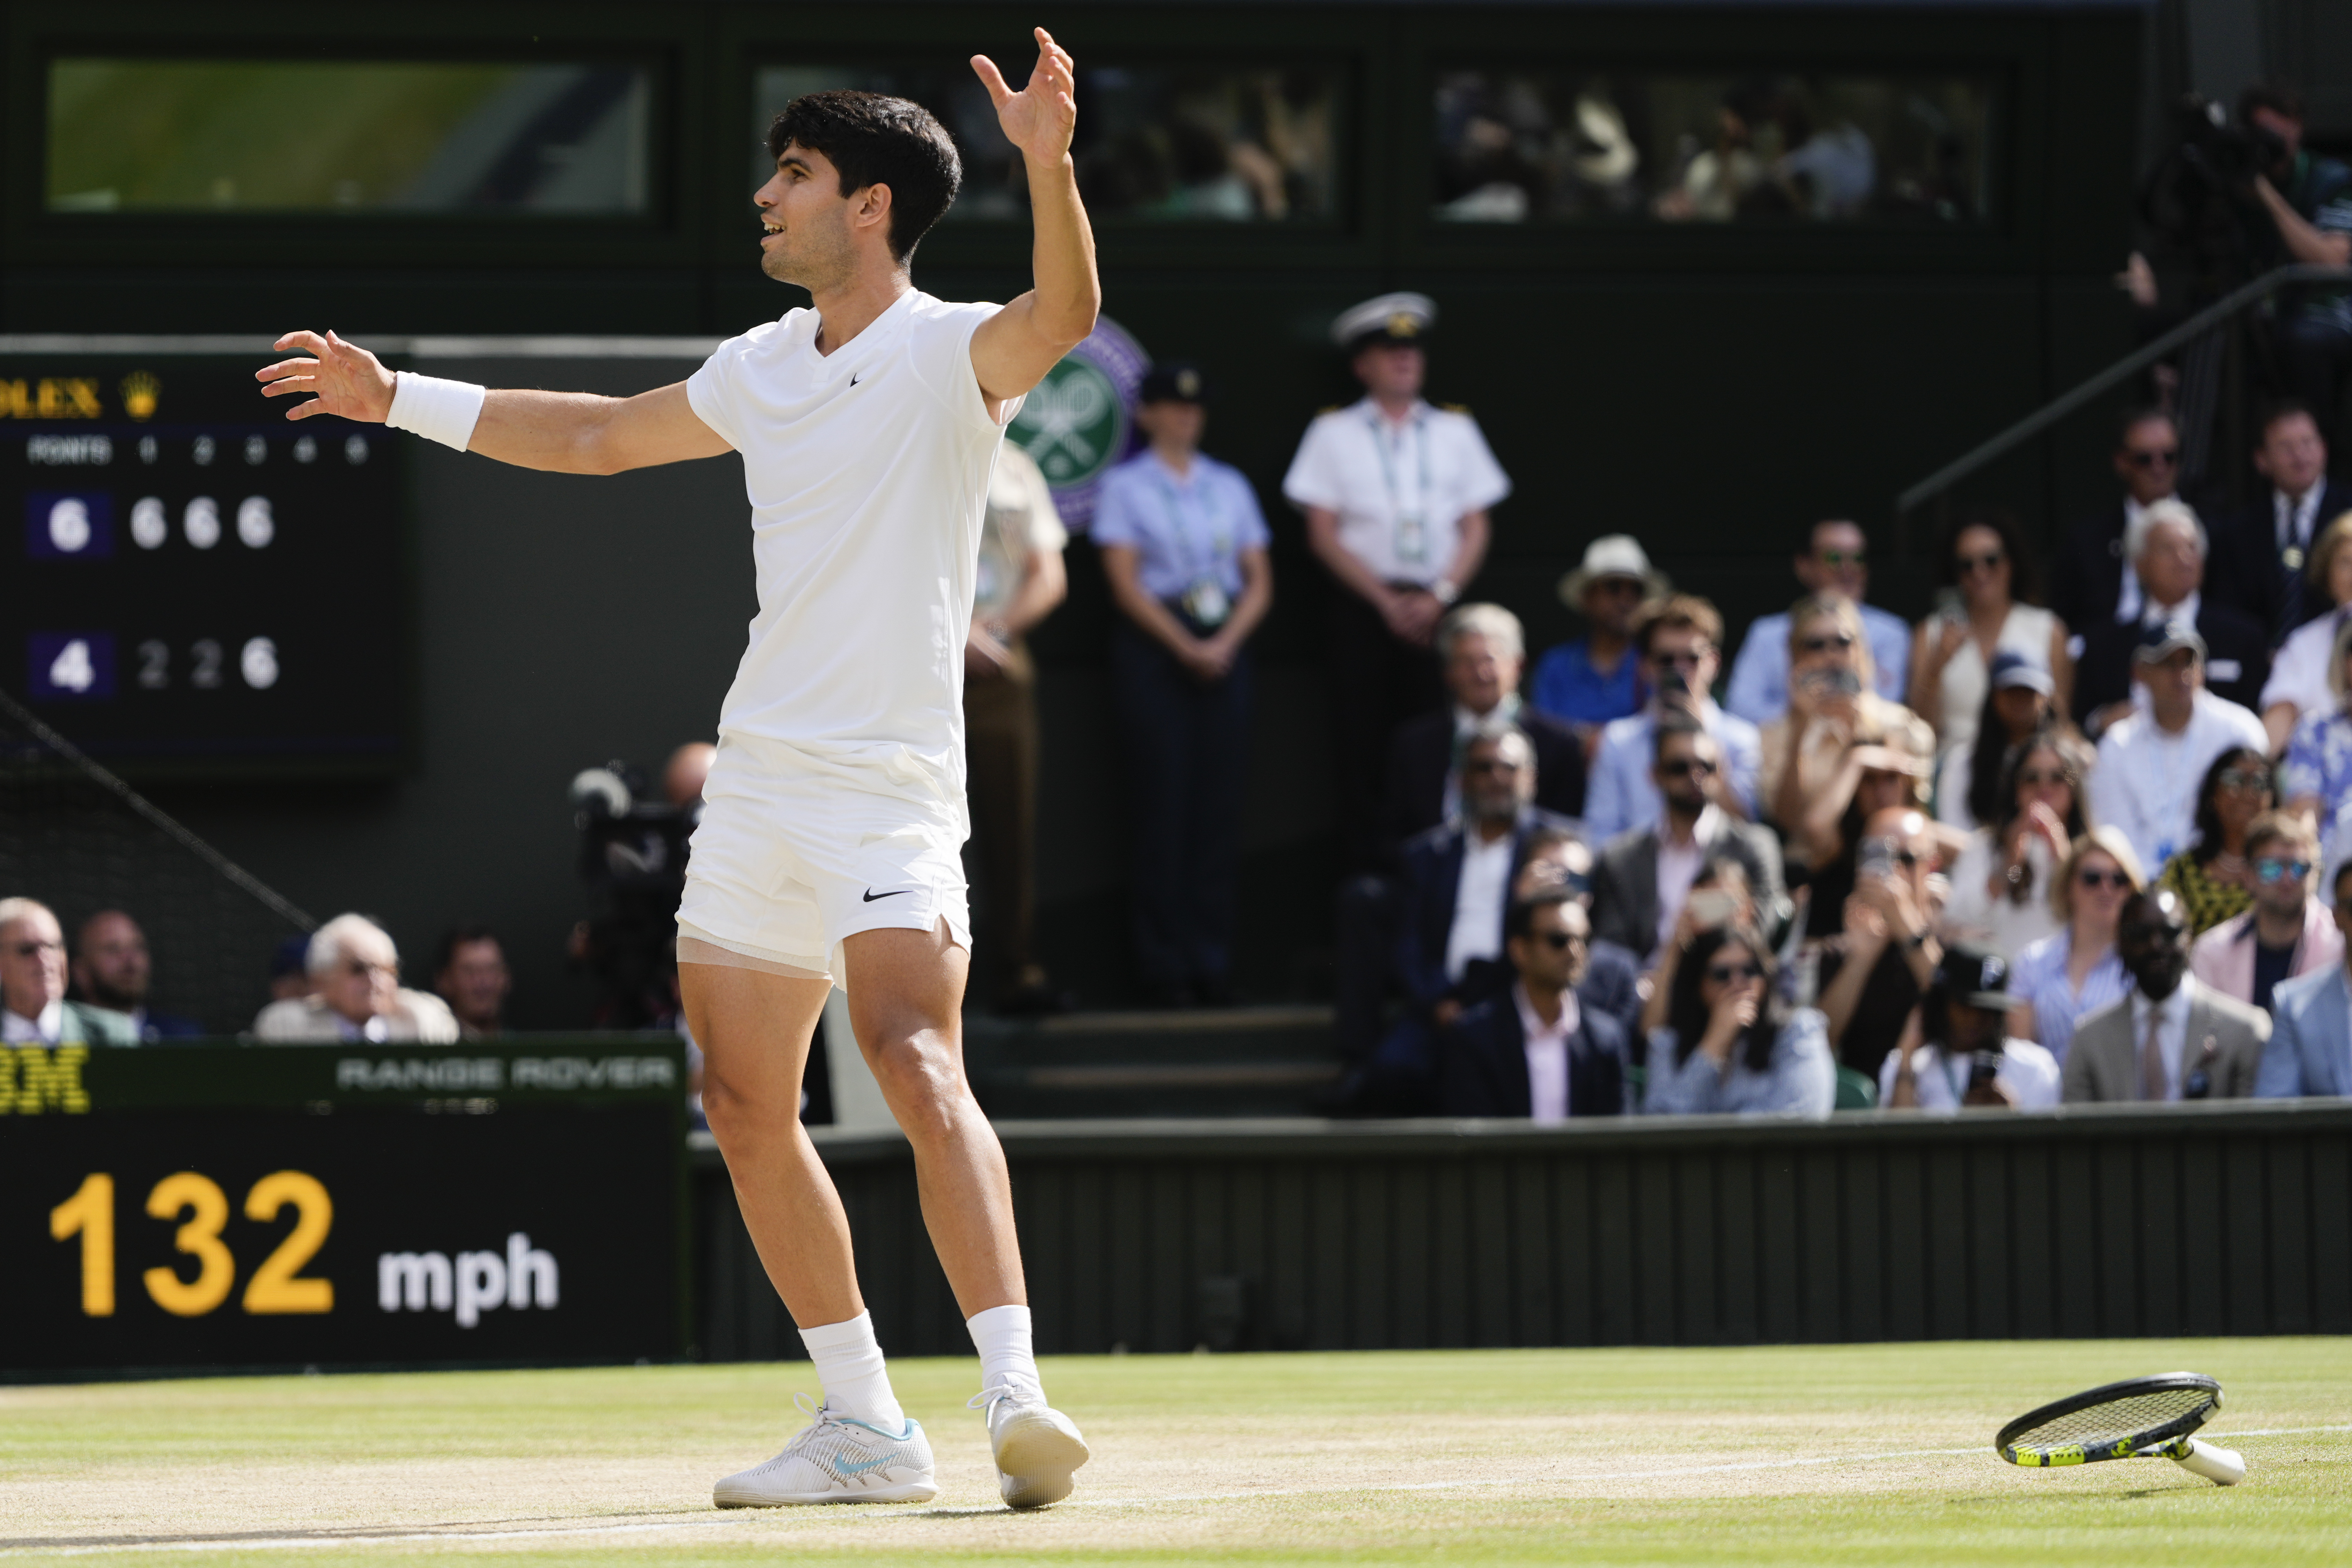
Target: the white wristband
(434, 409)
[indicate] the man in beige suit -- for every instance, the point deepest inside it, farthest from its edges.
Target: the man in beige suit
(2171, 1039)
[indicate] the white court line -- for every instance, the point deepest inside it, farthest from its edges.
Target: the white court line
(879, 1516)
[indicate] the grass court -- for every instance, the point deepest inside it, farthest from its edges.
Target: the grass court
(1797, 1455)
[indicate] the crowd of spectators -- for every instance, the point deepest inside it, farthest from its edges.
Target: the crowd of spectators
(2019, 851)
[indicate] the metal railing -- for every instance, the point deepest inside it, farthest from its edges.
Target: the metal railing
(2214, 316)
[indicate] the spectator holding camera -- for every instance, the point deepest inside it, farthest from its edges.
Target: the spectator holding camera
(2170, 1039)
(1643, 876)
(2308, 200)
(1830, 701)
(1835, 560)
(1185, 550)
(1874, 973)
(2286, 934)
(2310, 1049)
(1720, 896)
(1954, 1052)
(2001, 882)
(1730, 1044)
(33, 1005)
(2075, 970)
(1870, 778)
(1679, 639)
(1535, 1050)
(357, 996)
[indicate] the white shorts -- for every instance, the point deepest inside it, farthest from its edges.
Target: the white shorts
(794, 854)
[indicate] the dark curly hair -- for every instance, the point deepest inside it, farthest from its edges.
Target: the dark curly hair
(2070, 754)
(1686, 1009)
(876, 140)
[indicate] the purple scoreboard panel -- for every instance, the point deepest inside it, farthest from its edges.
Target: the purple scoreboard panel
(188, 579)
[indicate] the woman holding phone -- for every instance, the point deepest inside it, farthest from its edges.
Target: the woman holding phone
(2000, 882)
(1831, 702)
(1730, 1044)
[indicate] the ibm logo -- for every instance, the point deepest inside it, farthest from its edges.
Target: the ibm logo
(478, 1282)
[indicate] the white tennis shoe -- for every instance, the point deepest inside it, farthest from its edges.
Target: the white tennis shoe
(836, 1458)
(1036, 1445)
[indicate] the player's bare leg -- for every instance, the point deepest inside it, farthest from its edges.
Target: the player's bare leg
(905, 1004)
(755, 1031)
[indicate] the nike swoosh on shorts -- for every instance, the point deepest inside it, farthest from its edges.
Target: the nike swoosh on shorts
(871, 896)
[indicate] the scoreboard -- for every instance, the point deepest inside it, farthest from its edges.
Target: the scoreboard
(188, 578)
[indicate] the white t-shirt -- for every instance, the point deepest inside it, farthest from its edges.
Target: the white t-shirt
(2029, 1072)
(2146, 781)
(869, 474)
(1400, 490)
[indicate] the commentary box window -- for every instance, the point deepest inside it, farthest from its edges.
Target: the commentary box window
(1169, 145)
(1552, 146)
(289, 136)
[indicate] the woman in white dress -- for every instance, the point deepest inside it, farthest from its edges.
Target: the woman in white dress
(1987, 577)
(2000, 882)
(2298, 684)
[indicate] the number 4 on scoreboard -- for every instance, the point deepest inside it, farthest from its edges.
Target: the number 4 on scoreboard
(275, 1286)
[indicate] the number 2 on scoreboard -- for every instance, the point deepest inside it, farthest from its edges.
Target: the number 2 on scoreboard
(275, 1287)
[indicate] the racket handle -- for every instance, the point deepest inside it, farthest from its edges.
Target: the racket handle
(2222, 1466)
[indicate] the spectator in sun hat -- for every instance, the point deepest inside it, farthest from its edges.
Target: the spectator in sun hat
(1834, 562)
(1586, 682)
(1184, 547)
(1395, 494)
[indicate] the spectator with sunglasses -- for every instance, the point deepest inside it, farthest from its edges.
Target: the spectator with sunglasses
(1730, 1044)
(2310, 1049)
(1535, 1050)
(357, 993)
(2074, 970)
(2169, 1038)
(2000, 882)
(1556, 857)
(1720, 896)
(1596, 678)
(2168, 556)
(1830, 701)
(1835, 560)
(1876, 971)
(2093, 583)
(1983, 608)
(2287, 933)
(1642, 877)
(1679, 640)
(2211, 876)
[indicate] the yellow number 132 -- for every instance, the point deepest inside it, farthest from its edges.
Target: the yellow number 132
(275, 1286)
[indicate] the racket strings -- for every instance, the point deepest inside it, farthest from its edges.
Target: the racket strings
(2116, 1419)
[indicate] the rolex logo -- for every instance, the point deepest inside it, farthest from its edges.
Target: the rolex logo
(139, 393)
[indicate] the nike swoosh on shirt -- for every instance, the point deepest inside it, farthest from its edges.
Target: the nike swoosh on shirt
(871, 896)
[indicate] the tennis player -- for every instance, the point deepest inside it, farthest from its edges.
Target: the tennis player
(828, 848)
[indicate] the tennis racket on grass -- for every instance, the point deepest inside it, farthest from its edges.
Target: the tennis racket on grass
(2139, 1418)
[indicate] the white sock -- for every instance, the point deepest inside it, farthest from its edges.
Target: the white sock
(1001, 1335)
(849, 1367)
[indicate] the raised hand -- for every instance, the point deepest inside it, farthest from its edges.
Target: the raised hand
(341, 378)
(1041, 116)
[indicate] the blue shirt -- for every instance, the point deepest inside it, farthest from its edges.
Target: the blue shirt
(1800, 1079)
(2037, 977)
(1181, 530)
(1620, 794)
(1568, 688)
(2319, 762)
(1759, 691)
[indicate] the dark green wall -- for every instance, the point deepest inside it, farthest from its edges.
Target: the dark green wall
(1710, 391)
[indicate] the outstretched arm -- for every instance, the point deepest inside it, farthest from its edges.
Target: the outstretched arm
(565, 433)
(1014, 348)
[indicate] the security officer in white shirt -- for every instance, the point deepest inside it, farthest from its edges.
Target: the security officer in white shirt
(1395, 494)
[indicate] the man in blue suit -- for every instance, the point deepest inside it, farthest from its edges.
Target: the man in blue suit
(1534, 1051)
(2310, 1049)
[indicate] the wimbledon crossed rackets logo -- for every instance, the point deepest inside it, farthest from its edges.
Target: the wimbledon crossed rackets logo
(1074, 424)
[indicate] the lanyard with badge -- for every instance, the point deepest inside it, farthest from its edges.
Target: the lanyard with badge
(1412, 525)
(1205, 598)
